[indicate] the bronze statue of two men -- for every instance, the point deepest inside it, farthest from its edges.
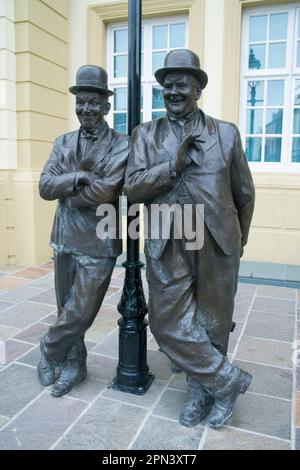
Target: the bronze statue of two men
(184, 158)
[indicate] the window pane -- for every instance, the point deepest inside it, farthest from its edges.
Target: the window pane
(121, 40)
(160, 37)
(177, 35)
(256, 93)
(278, 26)
(273, 149)
(297, 92)
(253, 149)
(257, 56)
(275, 92)
(120, 122)
(254, 121)
(277, 55)
(120, 98)
(298, 23)
(158, 114)
(157, 98)
(296, 150)
(296, 129)
(158, 60)
(274, 121)
(258, 28)
(298, 54)
(120, 66)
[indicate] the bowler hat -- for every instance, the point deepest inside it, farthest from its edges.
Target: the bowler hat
(91, 78)
(182, 60)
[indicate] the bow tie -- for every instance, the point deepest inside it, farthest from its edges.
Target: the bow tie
(89, 135)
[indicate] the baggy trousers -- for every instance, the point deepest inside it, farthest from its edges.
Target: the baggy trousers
(80, 284)
(191, 300)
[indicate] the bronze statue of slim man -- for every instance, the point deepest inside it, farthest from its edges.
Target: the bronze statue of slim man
(85, 169)
(184, 158)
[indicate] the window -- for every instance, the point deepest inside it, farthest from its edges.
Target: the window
(270, 88)
(158, 38)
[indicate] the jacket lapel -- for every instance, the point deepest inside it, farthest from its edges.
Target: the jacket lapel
(69, 150)
(98, 151)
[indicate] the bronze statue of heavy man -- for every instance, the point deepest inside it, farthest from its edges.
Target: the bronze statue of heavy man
(185, 158)
(86, 169)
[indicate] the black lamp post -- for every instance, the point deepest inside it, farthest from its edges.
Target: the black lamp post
(133, 374)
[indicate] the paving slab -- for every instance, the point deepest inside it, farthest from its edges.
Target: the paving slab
(4, 305)
(101, 368)
(10, 282)
(33, 334)
(3, 420)
(266, 415)
(265, 351)
(99, 428)
(235, 336)
(242, 305)
(170, 404)
(270, 326)
(163, 434)
(148, 400)
(46, 297)
(7, 332)
(24, 314)
(268, 304)
(32, 272)
(18, 386)
(21, 294)
(45, 282)
(109, 346)
(159, 365)
(41, 424)
(32, 358)
(88, 390)
(15, 349)
(233, 439)
(276, 292)
(178, 382)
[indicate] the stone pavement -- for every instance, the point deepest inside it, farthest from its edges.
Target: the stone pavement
(96, 417)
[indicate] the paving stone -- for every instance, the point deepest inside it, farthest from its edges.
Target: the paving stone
(46, 297)
(159, 365)
(277, 292)
(109, 346)
(24, 314)
(32, 272)
(266, 304)
(10, 282)
(5, 305)
(111, 290)
(18, 386)
(297, 439)
(88, 390)
(113, 299)
(115, 282)
(263, 351)
(45, 282)
(3, 420)
(233, 439)
(21, 294)
(7, 332)
(270, 326)
(41, 424)
(15, 349)
(105, 322)
(268, 380)
(101, 368)
(99, 428)
(178, 382)
(298, 409)
(265, 415)
(146, 400)
(11, 268)
(242, 305)
(298, 379)
(170, 404)
(32, 358)
(152, 344)
(235, 336)
(50, 319)
(162, 434)
(242, 286)
(34, 333)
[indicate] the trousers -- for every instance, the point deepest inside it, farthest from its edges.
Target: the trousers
(81, 283)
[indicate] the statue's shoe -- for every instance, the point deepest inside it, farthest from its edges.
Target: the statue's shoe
(69, 378)
(175, 368)
(46, 371)
(197, 405)
(223, 407)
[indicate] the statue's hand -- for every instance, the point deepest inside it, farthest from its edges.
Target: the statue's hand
(183, 158)
(85, 178)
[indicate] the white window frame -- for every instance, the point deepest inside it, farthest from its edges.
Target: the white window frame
(148, 79)
(289, 74)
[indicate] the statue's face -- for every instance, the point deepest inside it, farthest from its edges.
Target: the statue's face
(181, 92)
(91, 108)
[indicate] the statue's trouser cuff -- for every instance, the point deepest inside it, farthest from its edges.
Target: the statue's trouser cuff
(88, 286)
(191, 299)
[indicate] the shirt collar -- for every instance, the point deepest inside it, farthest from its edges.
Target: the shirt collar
(94, 134)
(190, 118)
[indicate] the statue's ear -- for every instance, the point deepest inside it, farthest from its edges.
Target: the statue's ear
(198, 92)
(107, 107)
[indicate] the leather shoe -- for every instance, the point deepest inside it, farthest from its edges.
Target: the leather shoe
(225, 399)
(69, 377)
(197, 405)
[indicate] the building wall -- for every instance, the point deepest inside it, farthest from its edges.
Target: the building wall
(40, 30)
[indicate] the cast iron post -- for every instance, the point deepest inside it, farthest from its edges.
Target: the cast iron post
(133, 374)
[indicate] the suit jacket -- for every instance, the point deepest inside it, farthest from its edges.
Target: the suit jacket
(219, 178)
(74, 227)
